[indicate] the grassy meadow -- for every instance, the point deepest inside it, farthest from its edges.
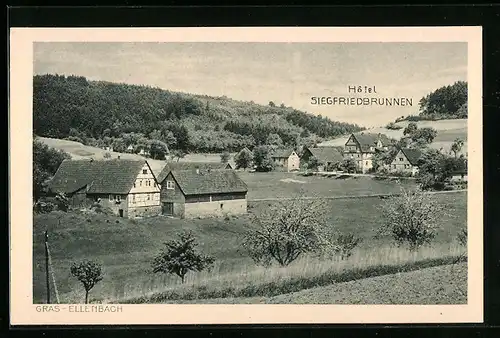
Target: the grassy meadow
(126, 247)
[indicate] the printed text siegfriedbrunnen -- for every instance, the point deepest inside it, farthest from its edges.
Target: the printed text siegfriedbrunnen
(361, 101)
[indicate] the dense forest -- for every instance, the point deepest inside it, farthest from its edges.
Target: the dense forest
(135, 117)
(447, 102)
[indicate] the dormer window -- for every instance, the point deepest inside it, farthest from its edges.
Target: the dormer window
(170, 185)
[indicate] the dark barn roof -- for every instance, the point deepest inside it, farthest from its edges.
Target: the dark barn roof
(282, 153)
(100, 176)
(367, 140)
(208, 182)
(326, 154)
(413, 155)
(190, 166)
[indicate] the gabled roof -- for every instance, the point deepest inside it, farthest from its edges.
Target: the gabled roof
(190, 166)
(208, 181)
(282, 153)
(413, 155)
(326, 154)
(367, 140)
(100, 176)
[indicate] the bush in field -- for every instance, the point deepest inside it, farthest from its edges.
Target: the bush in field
(43, 207)
(243, 159)
(287, 230)
(410, 218)
(345, 244)
(462, 236)
(262, 159)
(89, 273)
(348, 165)
(393, 126)
(179, 257)
(224, 157)
(62, 202)
(313, 163)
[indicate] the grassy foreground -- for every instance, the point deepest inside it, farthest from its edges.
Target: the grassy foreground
(305, 274)
(126, 248)
(444, 284)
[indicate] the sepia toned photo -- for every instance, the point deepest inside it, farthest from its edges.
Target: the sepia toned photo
(169, 173)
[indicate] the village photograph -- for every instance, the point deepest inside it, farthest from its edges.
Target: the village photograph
(250, 173)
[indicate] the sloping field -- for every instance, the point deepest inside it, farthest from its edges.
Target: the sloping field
(448, 131)
(78, 150)
(446, 284)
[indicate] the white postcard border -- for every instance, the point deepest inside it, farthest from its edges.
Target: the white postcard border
(23, 312)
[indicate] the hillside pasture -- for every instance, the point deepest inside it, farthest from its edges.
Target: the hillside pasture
(126, 247)
(78, 151)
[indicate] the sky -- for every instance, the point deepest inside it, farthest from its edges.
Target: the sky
(288, 73)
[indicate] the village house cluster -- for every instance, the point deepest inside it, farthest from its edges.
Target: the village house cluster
(199, 189)
(130, 189)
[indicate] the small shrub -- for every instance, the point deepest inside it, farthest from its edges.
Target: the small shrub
(393, 126)
(462, 236)
(62, 202)
(345, 244)
(43, 207)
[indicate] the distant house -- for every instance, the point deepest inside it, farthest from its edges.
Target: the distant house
(193, 166)
(130, 149)
(287, 159)
(459, 176)
(406, 160)
(328, 157)
(108, 148)
(128, 187)
(361, 148)
(202, 193)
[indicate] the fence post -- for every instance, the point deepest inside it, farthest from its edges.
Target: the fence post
(47, 279)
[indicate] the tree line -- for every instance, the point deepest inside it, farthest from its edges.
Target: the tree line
(136, 117)
(447, 102)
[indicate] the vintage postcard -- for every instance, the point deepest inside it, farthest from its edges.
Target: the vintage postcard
(246, 175)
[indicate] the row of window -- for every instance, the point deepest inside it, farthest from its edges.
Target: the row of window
(407, 166)
(139, 198)
(144, 197)
(147, 183)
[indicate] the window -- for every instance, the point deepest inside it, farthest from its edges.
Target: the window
(154, 184)
(140, 183)
(366, 162)
(400, 159)
(144, 171)
(394, 166)
(133, 198)
(110, 198)
(148, 197)
(170, 185)
(117, 198)
(134, 184)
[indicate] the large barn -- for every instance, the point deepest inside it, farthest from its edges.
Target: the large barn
(128, 187)
(203, 193)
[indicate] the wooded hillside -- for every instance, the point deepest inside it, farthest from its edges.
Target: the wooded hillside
(447, 102)
(101, 113)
